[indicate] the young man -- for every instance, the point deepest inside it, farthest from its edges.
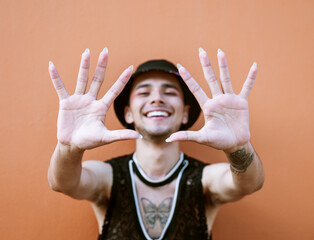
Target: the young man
(157, 192)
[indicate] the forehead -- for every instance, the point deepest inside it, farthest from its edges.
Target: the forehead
(156, 78)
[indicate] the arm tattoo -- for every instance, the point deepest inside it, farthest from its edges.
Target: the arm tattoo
(240, 161)
(154, 212)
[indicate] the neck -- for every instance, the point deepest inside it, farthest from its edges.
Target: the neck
(157, 159)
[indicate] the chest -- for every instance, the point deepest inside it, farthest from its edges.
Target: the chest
(138, 211)
(155, 205)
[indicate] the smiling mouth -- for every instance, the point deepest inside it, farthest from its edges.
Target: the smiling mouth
(157, 114)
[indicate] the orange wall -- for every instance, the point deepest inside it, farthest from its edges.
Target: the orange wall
(278, 35)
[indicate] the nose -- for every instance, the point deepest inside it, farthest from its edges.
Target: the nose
(157, 98)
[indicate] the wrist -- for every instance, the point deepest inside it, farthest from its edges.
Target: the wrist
(247, 146)
(69, 148)
(240, 158)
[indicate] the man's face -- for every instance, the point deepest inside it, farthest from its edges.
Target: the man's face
(156, 106)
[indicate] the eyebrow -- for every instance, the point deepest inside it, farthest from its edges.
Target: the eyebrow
(164, 85)
(167, 85)
(142, 86)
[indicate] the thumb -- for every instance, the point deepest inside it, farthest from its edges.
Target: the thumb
(120, 135)
(184, 136)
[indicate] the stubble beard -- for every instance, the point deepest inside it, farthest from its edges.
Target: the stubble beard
(156, 136)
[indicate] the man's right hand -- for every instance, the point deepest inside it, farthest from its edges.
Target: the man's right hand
(81, 120)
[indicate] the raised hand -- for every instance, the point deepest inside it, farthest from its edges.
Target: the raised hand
(81, 120)
(226, 114)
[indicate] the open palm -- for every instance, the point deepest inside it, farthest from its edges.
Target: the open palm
(81, 119)
(226, 114)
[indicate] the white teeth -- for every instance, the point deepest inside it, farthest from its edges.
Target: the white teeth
(157, 114)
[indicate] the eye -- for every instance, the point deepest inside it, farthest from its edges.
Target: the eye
(143, 93)
(171, 92)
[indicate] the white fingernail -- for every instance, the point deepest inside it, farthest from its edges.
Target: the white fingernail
(140, 137)
(168, 140)
(255, 64)
(105, 50)
(201, 50)
(50, 63)
(131, 67)
(219, 50)
(87, 50)
(179, 66)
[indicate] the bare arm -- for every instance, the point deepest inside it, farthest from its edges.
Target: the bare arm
(230, 182)
(90, 180)
(81, 126)
(226, 128)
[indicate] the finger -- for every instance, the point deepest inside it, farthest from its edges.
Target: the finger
(248, 85)
(224, 72)
(117, 87)
(83, 73)
(119, 135)
(209, 73)
(58, 84)
(194, 87)
(99, 73)
(184, 136)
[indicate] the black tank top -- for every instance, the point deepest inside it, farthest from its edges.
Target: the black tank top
(188, 222)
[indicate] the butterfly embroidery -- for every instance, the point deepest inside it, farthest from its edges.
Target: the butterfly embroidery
(154, 213)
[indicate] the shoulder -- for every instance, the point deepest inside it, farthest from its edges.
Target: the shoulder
(213, 172)
(103, 175)
(96, 167)
(217, 183)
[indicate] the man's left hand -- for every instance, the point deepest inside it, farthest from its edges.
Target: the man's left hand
(226, 114)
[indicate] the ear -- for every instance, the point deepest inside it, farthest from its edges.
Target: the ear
(185, 118)
(128, 115)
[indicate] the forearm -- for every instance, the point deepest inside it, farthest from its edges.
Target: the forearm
(246, 168)
(65, 168)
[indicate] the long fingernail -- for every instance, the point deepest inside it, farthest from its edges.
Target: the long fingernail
(87, 50)
(105, 50)
(179, 66)
(131, 67)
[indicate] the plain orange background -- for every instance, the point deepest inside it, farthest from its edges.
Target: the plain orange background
(278, 35)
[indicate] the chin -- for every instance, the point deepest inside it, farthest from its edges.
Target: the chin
(156, 133)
